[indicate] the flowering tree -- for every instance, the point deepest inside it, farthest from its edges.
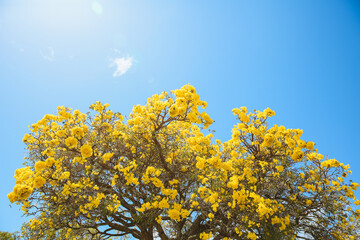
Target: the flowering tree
(161, 174)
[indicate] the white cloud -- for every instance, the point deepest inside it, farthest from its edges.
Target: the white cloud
(122, 65)
(48, 54)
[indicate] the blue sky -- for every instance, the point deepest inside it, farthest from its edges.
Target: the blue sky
(300, 58)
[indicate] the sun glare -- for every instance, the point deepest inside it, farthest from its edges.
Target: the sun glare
(56, 16)
(97, 7)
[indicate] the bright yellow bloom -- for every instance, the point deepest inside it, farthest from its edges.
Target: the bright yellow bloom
(354, 186)
(86, 151)
(164, 203)
(26, 138)
(12, 197)
(158, 219)
(107, 156)
(269, 112)
(49, 161)
(280, 168)
(48, 152)
(205, 236)
(71, 142)
(173, 111)
(330, 163)
(174, 214)
(310, 145)
(211, 216)
(268, 140)
(39, 166)
(61, 133)
(65, 175)
(252, 236)
(22, 191)
(244, 118)
(297, 155)
(39, 182)
(78, 132)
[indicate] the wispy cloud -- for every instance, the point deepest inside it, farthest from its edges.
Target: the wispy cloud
(122, 65)
(115, 50)
(48, 54)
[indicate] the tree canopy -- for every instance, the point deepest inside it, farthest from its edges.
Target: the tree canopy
(8, 236)
(160, 173)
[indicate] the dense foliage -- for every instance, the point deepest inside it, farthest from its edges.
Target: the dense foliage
(160, 173)
(8, 236)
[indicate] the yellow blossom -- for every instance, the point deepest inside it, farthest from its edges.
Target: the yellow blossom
(71, 142)
(78, 132)
(39, 166)
(39, 182)
(86, 151)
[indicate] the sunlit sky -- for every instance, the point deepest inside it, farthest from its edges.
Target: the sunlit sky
(300, 58)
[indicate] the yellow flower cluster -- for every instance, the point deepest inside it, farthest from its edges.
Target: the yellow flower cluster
(71, 142)
(24, 184)
(330, 163)
(86, 151)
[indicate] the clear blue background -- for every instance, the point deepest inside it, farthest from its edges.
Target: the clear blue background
(300, 58)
